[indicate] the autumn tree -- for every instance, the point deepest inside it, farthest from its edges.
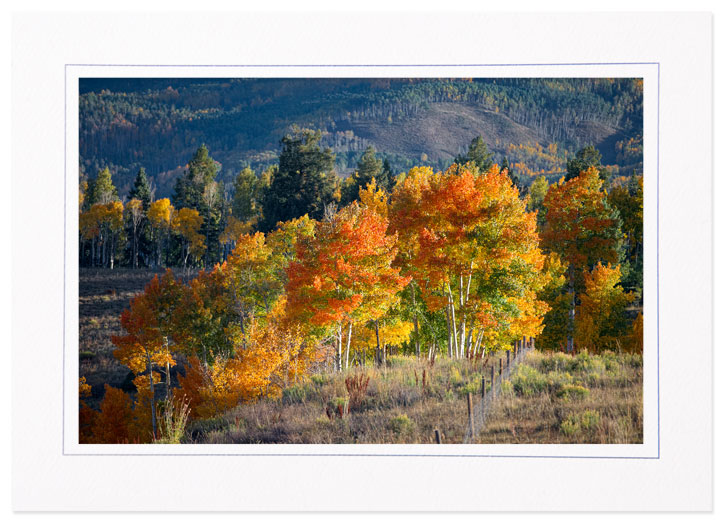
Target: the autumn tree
(473, 250)
(159, 216)
(583, 229)
(537, 193)
(407, 220)
(111, 424)
(205, 322)
(602, 323)
(101, 189)
(187, 223)
(148, 328)
(343, 275)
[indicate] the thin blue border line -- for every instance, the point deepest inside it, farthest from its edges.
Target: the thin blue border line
(65, 227)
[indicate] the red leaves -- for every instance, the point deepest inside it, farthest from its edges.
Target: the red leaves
(344, 272)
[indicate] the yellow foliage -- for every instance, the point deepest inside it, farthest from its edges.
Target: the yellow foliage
(84, 389)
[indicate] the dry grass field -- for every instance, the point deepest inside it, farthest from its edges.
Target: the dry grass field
(551, 398)
(559, 398)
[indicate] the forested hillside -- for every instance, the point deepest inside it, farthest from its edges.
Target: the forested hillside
(535, 124)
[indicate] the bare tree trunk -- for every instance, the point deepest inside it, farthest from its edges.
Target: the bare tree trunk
(153, 400)
(572, 313)
(448, 331)
(347, 346)
(135, 247)
(338, 349)
(415, 322)
(378, 355)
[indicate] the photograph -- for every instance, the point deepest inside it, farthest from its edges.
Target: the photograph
(353, 260)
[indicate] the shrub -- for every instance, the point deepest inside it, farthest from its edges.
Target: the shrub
(357, 387)
(402, 424)
(319, 379)
(340, 406)
(528, 381)
(506, 387)
(589, 419)
(456, 378)
(472, 387)
(567, 392)
(584, 362)
(570, 426)
(556, 380)
(173, 420)
(294, 394)
(558, 361)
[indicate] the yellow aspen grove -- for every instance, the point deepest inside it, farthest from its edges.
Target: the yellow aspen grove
(159, 216)
(187, 223)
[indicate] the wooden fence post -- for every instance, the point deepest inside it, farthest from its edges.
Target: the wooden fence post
(470, 412)
(438, 436)
(500, 367)
(493, 385)
(508, 359)
(483, 400)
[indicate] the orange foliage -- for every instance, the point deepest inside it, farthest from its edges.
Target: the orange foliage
(111, 425)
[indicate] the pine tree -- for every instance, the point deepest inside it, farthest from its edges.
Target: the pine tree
(138, 229)
(387, 178)
(585, 158)
(478, 154)
(369, 167)
(141, 189)
(198, 190)
(303, 183)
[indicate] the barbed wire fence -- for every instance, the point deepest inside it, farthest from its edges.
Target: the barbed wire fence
(492, 386)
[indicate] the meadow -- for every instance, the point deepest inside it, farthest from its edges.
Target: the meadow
(550, 398)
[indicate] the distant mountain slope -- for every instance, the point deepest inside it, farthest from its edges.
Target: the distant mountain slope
(535, 123)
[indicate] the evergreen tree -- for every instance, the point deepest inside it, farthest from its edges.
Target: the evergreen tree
(478, 154)
(387, 175)
(303, 183)
(141, 189)
(139, 231)
(368, 167)
(198, 190)
(585, 158)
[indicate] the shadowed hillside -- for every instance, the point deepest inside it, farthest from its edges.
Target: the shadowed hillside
(159, 123)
